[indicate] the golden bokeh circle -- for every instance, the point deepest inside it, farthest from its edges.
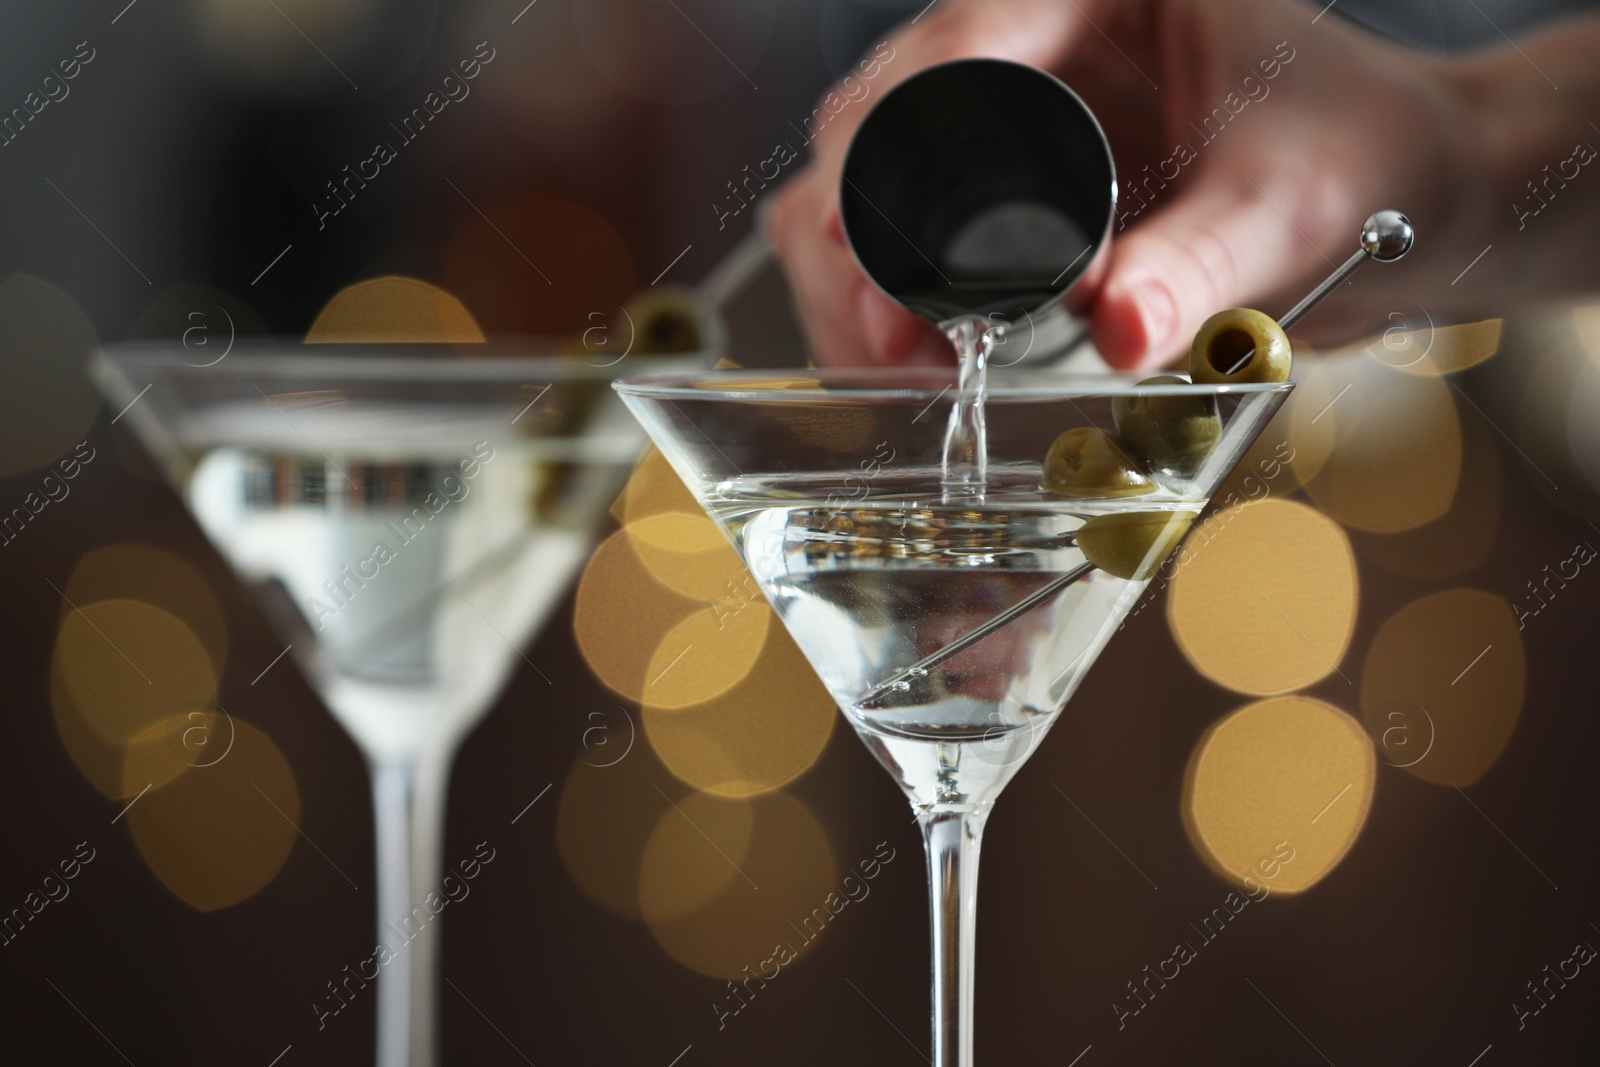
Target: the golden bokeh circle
(1459, 541)
(1278, 791)
(622, 614)
(98, 760)
(655, 488)
(779, 894)
(165, 749)
(761, 734)
(48, 402)
(1294, 444)
(120, 667)
(687, 553)
(707, 654)
(693, 855)
(125, 664)
(1264, 598)
(1443, 685)
(394, 310)
(1396, 459)
(130, 570)
(218, 834)
(201, 323)
(1436, 350)
(607, 815)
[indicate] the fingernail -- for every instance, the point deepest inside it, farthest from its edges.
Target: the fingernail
(1159, 312)
(878, 320)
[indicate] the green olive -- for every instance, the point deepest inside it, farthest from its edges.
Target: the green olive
(1088, 462)
(652, 323)
(1172, 434)
(665, 321)
(1239, 345)
(1132, 544)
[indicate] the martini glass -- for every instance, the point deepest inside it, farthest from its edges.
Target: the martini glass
(407, 522)
(950, 617)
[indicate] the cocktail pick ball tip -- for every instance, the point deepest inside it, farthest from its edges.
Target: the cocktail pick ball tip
(1387, 236)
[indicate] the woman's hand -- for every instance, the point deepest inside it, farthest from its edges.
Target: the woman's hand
(1250, 140)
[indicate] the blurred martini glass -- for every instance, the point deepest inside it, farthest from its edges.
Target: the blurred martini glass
(950, 608)
(407, 522)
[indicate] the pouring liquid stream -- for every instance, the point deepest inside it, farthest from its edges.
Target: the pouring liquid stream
(965, 471)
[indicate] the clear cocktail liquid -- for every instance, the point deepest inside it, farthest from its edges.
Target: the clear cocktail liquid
(404, 552)
(872, 588)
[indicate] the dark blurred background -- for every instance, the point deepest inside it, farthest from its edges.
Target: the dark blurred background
(181, 173)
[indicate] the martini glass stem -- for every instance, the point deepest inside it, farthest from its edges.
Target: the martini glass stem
(408, 805)
(952, 839)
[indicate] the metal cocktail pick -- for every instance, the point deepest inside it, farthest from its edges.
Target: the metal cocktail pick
(1385, 237)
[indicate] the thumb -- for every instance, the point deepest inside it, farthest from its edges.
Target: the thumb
(1220, 246)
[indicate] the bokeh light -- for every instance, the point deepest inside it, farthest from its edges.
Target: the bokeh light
(219, 832)
(200, 323)
(1549, 417)
(1278, 792)
(707, 654)
(666, 613)
(165, 749)
(762, 733)
(607, 815)
(1460, 540)
(1436, 350)
(1264, 599)
(776, 896)
(1396, 460)
(1294, 444)
(393, 310)
(48, 402)
(693, 855)
(1443, 685)
(689, 555)
(133, 571)
(622, 614)
(539, 266)
(653, 488)
(120, 667)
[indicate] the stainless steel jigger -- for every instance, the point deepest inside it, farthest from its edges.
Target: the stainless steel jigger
(1385, 237)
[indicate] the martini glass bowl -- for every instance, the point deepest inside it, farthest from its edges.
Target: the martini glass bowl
(407, 519)
(950, 604)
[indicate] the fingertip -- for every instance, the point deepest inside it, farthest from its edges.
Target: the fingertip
(1118, 332)
(890, 332)
(876, 316)
(1135, 324)
(931, 350)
